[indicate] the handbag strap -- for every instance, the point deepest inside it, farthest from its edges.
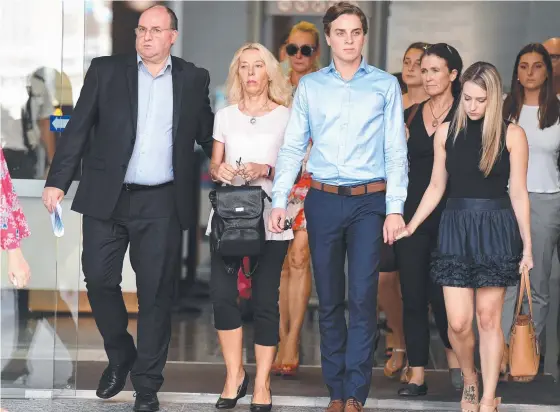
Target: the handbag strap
(524, 287)
(250, 274)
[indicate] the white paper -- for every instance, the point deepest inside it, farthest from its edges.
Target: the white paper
(56, 220)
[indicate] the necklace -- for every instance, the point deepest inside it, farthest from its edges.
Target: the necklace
(435, 122)
(253, 119)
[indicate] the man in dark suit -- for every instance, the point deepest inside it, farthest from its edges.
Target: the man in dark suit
(146, 111)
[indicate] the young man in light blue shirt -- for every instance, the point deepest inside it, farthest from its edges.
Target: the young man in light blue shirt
(359, 166)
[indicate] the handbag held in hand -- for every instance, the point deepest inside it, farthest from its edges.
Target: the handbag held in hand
(237, 227)
(524, 352)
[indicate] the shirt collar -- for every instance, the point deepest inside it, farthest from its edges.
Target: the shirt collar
(364, 67)
(167, 64)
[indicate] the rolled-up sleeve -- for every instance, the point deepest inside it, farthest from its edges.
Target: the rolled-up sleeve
(292, 152)
(396, 160)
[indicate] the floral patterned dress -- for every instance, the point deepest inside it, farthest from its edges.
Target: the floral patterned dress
(297, 195)
(13, 225)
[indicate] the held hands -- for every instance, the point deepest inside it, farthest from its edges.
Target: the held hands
(394, 225)
(18, 268)
(406, 231)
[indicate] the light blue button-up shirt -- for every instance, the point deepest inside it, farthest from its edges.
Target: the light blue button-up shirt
(151, 160)
(358, 133)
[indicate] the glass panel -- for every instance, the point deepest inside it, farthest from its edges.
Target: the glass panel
(67, 85)
(28, 323)
(39, 324)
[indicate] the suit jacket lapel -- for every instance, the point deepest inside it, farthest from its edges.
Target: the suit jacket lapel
(132, 76)
(178, 82)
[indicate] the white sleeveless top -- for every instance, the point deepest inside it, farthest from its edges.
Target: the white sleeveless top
(544, 146)
(257, 143)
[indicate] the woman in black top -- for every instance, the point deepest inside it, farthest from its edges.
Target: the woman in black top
(441, 67)
(484, 237)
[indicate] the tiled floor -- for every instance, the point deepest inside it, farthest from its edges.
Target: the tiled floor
(97, 406)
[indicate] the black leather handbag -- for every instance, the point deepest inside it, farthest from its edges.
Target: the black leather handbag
(237, 227)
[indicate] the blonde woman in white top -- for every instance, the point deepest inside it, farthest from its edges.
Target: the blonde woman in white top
(534, 106)
(251, 128)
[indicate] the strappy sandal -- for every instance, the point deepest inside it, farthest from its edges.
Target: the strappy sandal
(392, 366)
(469, 400)
(494, 403)
(406, 373)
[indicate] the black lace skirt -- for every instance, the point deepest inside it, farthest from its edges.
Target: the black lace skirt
(479, 244)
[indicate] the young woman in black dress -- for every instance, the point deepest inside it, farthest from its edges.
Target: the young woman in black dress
(484, 238)
(441, 66)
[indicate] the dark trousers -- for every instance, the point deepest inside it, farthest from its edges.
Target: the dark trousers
(265, 284)
(413, 260)
(21, 164)
(338, 226)
(146, 220)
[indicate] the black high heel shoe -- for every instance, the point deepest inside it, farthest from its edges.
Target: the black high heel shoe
(259, 407)
(228, 403)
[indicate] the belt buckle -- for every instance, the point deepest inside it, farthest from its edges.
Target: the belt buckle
(345, 190)
(127, 187)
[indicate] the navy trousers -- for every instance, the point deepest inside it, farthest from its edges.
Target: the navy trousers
(338, 226)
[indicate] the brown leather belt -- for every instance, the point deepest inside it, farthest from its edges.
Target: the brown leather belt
(357, 190)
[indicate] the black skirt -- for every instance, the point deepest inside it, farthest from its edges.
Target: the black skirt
(479, 244)
(388, 262)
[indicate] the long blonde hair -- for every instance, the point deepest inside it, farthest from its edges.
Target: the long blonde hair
(486, 76)
(307, 27)
(279, 88)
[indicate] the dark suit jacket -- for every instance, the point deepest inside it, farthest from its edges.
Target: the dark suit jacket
(108, 106)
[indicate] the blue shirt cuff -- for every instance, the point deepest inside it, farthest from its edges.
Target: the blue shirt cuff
(280, 202)
(394, 207)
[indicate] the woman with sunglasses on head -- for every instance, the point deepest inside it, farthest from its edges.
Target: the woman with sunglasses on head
(534, 105)
(441, 67)
(248, 135)
(484, 238)
(295, 283)
(389, 294)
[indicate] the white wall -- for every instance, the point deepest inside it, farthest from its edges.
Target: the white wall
(203, 40)
(480, 30)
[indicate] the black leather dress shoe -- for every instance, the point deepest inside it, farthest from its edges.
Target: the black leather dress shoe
(146, 402)
(228, 403)
(412, 389)
(259, 407)
(113, 380)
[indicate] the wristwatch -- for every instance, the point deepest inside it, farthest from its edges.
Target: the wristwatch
(269, 172)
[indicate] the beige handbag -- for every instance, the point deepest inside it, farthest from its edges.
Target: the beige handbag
(524, 352)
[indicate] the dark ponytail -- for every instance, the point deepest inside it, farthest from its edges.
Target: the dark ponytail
(453, 60)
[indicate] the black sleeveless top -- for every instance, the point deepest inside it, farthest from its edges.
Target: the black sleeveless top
(466, 180)
(421, 160)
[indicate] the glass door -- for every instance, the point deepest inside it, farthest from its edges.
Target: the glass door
(43, 51)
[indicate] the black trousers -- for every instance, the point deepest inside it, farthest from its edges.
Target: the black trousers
(21, 164)
(413, 260)
(265, 284)
(146, 220)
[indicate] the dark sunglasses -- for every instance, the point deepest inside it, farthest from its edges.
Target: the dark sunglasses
(306, 49)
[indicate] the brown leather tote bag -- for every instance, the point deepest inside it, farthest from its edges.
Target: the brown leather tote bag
(524, 352)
